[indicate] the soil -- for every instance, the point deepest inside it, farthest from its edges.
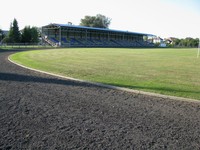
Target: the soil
(39, 111)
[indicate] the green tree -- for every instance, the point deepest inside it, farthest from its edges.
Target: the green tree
(98, 21)
(5, 40)
(30, 35)
(26, 35)
(34, 35)
(176, 42)
(10, 35)
(14, 33)
(1, 35)
(187, 42)
(194, 42)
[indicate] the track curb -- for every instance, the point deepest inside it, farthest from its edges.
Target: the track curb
(110, 86)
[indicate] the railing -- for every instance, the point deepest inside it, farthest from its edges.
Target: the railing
(23, 45)
(49, 41)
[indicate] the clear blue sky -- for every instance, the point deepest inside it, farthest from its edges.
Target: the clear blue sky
(165, 18)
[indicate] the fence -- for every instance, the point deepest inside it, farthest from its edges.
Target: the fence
(24, 45)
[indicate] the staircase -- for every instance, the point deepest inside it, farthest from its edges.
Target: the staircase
(49, 42)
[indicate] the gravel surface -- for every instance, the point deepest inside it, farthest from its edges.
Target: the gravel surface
(39, 111)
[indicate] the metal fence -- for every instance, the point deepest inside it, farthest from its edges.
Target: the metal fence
(24, 45)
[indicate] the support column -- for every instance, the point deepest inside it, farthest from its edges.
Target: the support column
(60, 36)
(86, 35)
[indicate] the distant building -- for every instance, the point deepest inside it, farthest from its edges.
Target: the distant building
(157, 40)
(170, 40)
(160, 41)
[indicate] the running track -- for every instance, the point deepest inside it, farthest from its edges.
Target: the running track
(39, 111)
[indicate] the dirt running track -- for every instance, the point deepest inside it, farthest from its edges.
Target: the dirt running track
(38, 111)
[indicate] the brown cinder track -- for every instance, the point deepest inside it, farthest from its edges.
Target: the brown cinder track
(39, 111)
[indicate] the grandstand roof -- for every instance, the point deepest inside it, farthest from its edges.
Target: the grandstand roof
(55, 25)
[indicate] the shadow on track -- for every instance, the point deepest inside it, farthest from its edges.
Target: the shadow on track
(25, 78)
(10, 51)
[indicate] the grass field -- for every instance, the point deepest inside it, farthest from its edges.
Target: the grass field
(166, 71)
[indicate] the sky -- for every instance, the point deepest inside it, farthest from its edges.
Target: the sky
(164, 18)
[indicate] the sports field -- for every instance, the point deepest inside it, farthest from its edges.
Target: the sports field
(166, 71)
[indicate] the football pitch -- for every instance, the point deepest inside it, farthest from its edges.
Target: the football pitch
(173, 72)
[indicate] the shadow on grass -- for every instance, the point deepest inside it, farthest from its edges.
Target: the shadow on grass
(157, 89)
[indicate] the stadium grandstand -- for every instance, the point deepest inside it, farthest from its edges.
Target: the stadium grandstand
(66, 35)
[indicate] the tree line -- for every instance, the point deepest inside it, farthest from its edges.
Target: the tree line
(31, 34)
(187, 42)
(98, 21)
(26, 35)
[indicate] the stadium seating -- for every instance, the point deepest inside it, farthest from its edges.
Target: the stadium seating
(79, 36)
(54, 40)
(94, 42)
(64, 40)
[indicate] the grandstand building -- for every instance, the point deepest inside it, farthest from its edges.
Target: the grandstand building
(67, 35)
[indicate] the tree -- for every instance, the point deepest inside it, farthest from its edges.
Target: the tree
(177, 42)
(14, 33)
(34, 35)
(26, 35)
(30, 35)
(10, 35)
(98, 21)
(1, 35)
(187, 42)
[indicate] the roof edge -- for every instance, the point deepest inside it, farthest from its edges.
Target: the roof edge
(99, 29)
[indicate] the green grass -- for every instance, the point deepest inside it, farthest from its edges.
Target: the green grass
(166, 71)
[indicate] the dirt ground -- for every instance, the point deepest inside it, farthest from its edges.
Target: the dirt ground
(39, 111)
